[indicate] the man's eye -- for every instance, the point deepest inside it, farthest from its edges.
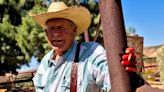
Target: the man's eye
(51, 28)
(60, 27)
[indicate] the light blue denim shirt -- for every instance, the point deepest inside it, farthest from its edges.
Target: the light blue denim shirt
(92, 70)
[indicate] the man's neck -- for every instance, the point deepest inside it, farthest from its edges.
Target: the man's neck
(57, 55)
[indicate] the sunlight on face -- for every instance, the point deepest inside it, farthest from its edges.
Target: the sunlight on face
(61, 34)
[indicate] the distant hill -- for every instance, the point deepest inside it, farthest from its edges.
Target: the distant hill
(151, 51)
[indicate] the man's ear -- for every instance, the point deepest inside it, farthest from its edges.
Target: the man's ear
(45, 31)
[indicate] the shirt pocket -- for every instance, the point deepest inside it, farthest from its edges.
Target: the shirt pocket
(38, 83)
(66, 85)
(40, 80)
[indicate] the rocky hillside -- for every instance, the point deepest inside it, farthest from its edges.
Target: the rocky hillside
(151, 51)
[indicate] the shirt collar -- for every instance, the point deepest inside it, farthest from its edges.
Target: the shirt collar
(68, 56)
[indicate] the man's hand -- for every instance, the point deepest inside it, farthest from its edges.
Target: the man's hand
(128, 60)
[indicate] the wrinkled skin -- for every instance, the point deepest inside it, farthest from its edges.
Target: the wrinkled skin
(61, 34)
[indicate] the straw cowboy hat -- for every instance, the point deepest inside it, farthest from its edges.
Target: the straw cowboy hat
(80, 16)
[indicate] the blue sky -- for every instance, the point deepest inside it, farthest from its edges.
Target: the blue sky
(32, 65)
(147, 17)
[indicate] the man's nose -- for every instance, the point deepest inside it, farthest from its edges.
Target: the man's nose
(56, 32)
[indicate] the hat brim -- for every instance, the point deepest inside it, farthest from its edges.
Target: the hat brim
(78, 15)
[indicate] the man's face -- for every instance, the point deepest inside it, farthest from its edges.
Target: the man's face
(61, 34)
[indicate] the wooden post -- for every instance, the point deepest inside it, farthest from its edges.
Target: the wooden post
(115, 43)
(86, 36)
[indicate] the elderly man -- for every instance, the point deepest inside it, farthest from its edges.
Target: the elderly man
(70, 66)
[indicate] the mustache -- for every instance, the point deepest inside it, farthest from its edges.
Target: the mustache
(56, 39)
